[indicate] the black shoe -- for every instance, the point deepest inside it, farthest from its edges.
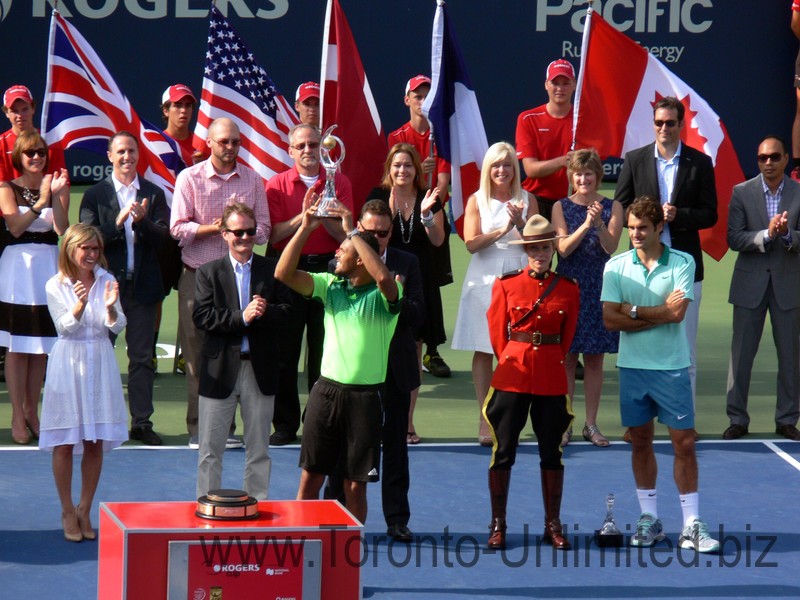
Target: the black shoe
(400, 533)
(146, 435)
(435, 365)
(788, 431)
(579, 371)
(282, 438)
(734, 432)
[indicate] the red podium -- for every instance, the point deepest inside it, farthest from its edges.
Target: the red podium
(299, 549)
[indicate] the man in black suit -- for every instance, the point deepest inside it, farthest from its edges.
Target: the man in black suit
(133, 217)
(683, 179)
(402, 376)
(241, 310)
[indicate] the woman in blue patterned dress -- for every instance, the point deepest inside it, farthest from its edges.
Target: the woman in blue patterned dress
(592, 225)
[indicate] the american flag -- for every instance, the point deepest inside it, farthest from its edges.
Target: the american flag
(235, 86)
(83, 106)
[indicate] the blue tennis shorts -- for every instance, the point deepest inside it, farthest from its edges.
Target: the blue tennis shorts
(647, 393)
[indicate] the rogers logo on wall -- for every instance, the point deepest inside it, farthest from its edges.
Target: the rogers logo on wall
(155, 9)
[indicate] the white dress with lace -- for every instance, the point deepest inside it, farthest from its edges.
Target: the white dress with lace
(83, 397)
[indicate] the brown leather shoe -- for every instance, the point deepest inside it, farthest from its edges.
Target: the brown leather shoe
(734, 432)
(497, 535)
(554, 535)
(788, 431)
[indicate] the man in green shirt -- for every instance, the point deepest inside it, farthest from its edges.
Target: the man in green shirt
(343, 414)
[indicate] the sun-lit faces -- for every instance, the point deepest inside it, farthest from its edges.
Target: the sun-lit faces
(402, 170)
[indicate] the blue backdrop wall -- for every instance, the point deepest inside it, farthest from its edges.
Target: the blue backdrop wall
(738, 54)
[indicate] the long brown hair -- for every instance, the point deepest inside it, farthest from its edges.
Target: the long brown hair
(403, 148)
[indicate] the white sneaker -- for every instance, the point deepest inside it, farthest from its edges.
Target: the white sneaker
(648, 531)
(695, 536)
(233, 443)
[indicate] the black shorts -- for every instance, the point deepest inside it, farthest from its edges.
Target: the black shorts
(797, 71)
(343, 424)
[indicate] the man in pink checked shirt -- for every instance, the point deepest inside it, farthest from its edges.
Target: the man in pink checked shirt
(201, 194)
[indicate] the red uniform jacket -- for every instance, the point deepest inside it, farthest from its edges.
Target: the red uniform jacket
(524, 367)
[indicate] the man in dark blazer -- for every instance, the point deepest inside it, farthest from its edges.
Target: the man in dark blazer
(764, 228)
(682, 178)
(402, 376)
(133, 217)
(242, 311)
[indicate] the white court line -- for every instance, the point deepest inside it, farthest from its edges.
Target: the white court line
(789, 459)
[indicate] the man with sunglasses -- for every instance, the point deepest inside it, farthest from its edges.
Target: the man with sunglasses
(202, 192)
(242, 310)
(289, 196)
(683, 179)
(764, 228)
(133, 217)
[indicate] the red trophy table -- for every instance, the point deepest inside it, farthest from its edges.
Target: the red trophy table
(295, 549)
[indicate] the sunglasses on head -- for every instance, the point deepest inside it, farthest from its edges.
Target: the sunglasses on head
(381, 233)
(240, 232)
(40, 152)
(670, 123)
(774, 157)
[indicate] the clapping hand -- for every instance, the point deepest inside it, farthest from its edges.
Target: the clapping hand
(429, 201)
(111, 294)
(81, 292)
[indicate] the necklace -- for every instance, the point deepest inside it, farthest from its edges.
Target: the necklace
(406, 239)
(30, 196)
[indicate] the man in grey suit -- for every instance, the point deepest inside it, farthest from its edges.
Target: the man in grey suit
(242, 311)
(132, 215)
(764, 228)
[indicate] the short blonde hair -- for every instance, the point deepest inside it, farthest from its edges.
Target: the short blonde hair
(75, 236)
(497, 152)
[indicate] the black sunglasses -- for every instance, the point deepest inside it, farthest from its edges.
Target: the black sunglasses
(670, 123)
(40, 152)
(774, 157)
(240, 232)
(381, 233)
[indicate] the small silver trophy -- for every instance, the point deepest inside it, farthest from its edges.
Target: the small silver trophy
(329, 143)
(609, 534)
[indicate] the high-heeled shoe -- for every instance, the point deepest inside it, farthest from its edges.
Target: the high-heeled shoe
(86, 526)
(34, 432)
(70, 534)
(23, 438)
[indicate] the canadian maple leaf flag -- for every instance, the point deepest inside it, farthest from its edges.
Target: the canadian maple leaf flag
(614, 110)
(346, 100)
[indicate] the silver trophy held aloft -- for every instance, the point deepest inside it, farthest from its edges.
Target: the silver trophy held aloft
(329, 143)
(609, 534)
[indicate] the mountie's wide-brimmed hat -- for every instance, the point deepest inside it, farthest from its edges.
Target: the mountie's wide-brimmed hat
(537, 229)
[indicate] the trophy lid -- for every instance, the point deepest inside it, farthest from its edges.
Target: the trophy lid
(227, 496)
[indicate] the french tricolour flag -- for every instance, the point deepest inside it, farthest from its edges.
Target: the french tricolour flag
(452, 109)
(614, 112)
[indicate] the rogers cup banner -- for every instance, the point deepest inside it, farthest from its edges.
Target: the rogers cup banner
(614, 110)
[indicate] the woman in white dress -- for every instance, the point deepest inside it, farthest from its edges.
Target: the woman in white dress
(83, 409)
(35, 209)
(494, 216)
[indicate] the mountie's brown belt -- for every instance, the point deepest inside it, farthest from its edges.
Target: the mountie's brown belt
(537, 338)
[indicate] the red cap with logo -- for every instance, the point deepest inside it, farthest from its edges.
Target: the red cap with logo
(417, 81)
(309, 89)
(16, 92)
(177, 92)
(560, 67)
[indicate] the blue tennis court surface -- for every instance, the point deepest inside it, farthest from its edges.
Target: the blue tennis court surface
(749, 495)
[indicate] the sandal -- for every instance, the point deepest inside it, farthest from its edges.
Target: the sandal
(566, 437)
(591, 433)
(412, 438)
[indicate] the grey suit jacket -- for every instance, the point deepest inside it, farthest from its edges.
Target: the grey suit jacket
(759, 264)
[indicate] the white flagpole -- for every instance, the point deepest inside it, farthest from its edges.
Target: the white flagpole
(579, 86)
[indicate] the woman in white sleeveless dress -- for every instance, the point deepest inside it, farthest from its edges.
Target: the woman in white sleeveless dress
(494, 215)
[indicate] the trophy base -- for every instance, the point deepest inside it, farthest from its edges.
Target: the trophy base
(227, 505)
(608, 540)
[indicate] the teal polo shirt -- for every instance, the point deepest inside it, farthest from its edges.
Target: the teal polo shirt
(626, 279)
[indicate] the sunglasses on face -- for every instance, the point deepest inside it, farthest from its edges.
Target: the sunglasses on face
(240, 232)
(381, 233)
(670, 123)
(774, 157)
(304, 145)
(40, 152)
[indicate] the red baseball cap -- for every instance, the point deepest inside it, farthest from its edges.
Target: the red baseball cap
(309, 89)
(177, 92)
(17, 92)
(417, 81)
(560, 67)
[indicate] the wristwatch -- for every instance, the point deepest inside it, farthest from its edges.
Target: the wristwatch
(353, 233)
(634, 314)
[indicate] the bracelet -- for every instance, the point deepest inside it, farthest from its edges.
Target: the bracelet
(352, 233)
(38, 213)
(428, 221)
(601, 226)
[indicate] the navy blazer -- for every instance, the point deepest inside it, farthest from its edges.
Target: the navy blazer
(218, 316)
(100, 207)
(694, 195)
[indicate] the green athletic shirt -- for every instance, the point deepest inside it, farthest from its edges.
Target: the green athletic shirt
(359, 325)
